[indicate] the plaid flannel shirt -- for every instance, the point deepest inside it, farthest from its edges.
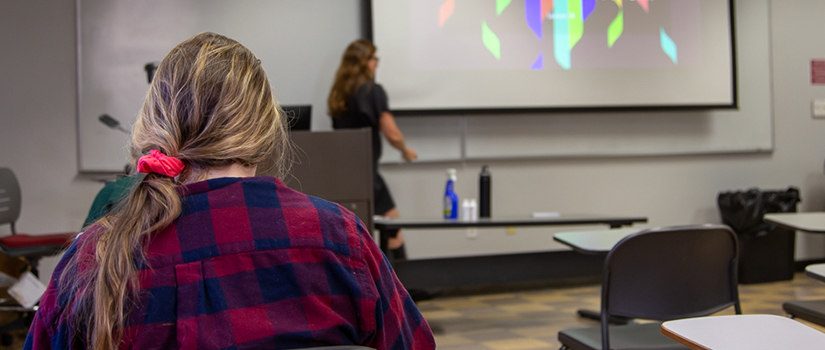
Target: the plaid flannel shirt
(251, 263)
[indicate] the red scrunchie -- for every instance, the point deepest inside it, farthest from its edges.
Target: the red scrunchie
(159, 163)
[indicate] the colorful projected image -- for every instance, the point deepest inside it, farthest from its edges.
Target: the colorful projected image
(555, 34)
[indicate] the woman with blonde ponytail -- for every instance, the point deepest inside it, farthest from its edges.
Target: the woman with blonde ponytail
(204, 255)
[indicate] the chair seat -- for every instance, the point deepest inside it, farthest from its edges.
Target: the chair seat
(631, 336)
(35, 246)
(25, 240)
(808, 310)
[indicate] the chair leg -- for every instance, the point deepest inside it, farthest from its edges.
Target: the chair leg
(33, 261)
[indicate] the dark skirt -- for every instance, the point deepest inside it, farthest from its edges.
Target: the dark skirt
(382, 198)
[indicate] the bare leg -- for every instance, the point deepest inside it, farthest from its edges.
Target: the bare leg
(397, 241)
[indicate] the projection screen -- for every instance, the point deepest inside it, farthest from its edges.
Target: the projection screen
(534, 54)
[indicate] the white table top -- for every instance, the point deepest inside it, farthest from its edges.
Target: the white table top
(593, 242)
(810, 222)
(816, 271)
(751, 332)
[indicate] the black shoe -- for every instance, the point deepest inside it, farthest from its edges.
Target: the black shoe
(397, 254)
(421, 295)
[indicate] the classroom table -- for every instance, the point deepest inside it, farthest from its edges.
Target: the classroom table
(593, 242)
(388, 225)
(816, 271)
(491, 269)
(752, 332)
(813, 222)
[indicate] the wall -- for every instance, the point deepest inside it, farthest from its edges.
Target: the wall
(299, 43)
(38, 125)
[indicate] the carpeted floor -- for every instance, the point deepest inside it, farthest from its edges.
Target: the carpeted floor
(531, 319)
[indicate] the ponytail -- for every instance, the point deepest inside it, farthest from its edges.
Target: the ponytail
(111, 287)
(210, 105)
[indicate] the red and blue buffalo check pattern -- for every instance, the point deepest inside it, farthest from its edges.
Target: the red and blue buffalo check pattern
(251, 264)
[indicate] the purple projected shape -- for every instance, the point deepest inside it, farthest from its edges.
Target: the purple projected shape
(587, 8)
(538, 64)
(532, 14)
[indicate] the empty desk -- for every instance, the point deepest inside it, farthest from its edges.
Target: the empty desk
(751, 332)
(813, 222)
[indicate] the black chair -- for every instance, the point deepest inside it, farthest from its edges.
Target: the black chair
(661, 274)
(339, 347)
(808, 310)
(30, 247)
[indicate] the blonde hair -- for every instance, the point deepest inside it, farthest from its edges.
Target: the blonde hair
(352, 72)
(209, 105)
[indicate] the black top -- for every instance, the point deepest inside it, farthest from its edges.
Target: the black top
(364, 109)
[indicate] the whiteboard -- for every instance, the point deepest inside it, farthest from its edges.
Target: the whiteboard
(298, 41)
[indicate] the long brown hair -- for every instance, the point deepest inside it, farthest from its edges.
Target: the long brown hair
(352, 72)
(209, 105)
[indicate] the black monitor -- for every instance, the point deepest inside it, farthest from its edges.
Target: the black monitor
(298, 116)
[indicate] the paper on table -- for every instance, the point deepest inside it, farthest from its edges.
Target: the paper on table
(545, 214)
(28, 290)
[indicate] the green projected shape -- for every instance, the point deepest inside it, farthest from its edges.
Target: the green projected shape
(501, 5)
(576, 22)
(614, 31)
(490, 40)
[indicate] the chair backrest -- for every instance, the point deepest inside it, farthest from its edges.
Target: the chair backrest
(672, 272)
(337, 166)
(669, 273)
(9, 198)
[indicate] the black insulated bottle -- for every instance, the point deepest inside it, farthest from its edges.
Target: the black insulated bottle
(484, 193)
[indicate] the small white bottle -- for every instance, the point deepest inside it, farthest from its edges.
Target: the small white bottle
(469, 209)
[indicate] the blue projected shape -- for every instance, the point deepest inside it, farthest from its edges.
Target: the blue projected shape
(668, 46)
(538, 64)
(561, 34)
(587, 8)
(532, 14)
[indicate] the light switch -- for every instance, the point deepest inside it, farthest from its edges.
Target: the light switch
(818, 108)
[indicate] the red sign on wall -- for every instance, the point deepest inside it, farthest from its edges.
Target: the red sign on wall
(818, 72)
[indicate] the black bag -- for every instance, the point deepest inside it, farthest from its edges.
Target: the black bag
(766, 252)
